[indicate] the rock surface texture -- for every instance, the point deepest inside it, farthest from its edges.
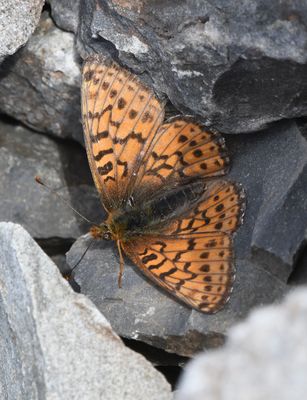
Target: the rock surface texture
(40, 84)
(264, 358)
(18, 19)
(25, 154)
(65, 14)
(239, 65)
(54, 343)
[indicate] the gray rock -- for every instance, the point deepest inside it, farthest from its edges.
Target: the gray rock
(23, 155)
(18, 19)
(299, 275)
(271, 166)
(40, 85)
(54, 343)
(238, 65)
(265, 357)
(65, 13)
(142, 311)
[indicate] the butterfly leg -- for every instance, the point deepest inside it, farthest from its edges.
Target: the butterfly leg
(121, 264)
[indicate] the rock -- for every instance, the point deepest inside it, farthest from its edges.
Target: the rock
(65, 14)
(299, 275)
(237, 65)
(266, 247)
(54, 343)
(17, 23)
(63, 165)
(265, 357)
(272, 166)
(142, 311)
(40, 84)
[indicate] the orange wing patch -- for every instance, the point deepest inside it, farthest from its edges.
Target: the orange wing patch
(120, 117)
(198, 270)
(181, 150)
(221, 209)
(193, 256)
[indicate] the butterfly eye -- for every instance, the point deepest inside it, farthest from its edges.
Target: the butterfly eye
(131, 201)
(107, 236)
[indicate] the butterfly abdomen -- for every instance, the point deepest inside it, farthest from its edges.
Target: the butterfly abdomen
(174, 202)
(148, 217)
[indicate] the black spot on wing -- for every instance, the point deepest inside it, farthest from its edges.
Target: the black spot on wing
(148, 258)
(104, 170)
(88, 75)
(102, 153)
(125, 165)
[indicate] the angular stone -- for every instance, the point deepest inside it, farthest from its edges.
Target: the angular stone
(265, 357)
(54, 343)
(62, 165)
(17, 23)
(299, 275)
(65, 13)
(239, 66)
(271, 166)
(40, 84)
(142, 311)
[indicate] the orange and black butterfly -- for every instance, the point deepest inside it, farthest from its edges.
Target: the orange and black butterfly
(168, 209)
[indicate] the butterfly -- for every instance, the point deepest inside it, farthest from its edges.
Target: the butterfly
(160, 183)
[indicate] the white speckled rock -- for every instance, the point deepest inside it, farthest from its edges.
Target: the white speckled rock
(18, 20)
(54, 344)
(264, 358)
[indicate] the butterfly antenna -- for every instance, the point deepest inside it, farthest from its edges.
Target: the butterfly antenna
(83, 255)
(53, 191)
(121, 264)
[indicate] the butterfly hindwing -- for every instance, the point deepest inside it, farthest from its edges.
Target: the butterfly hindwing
(197, 269)
(193, 256)
(221, 208)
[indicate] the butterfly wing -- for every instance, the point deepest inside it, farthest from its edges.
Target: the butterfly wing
(134, 157)
(193, 257)
(120, 118)
(220, 209)
(130, 153)
(181, 151)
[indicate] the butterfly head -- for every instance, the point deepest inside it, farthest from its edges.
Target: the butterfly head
(101, 231)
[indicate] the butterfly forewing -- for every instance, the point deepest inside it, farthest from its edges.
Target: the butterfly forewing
(121, 117)
(139, 165)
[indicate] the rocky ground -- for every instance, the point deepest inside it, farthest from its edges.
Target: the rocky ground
(241, 68)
